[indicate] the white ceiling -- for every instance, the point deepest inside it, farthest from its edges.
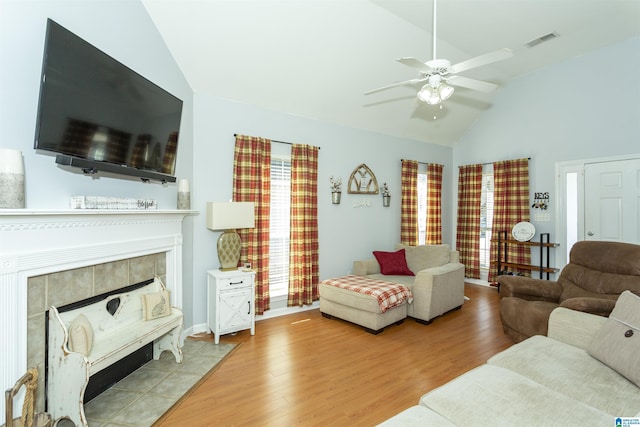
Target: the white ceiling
(316, 58)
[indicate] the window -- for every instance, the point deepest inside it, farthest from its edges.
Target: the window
(279, 226)
(486, 218)
(422, 208)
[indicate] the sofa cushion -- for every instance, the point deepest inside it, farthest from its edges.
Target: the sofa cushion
(571, 371)
(393, 263)
(617, 344)
(425, 256)
(491, 395)
(408, 281)
(418, 416)
(507, 399)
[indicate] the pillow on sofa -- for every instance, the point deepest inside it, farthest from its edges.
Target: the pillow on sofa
(425, 256)
(155, 305)
(80, 335)
(393, 263)
(617, 343)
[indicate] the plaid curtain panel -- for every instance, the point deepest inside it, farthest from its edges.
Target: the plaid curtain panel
(510, 206)
(252, 183)
(409, 204)
(303, 247)
(434, 204)
(468, 223)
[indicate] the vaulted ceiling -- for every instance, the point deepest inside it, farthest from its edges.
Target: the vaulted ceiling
(316, 58)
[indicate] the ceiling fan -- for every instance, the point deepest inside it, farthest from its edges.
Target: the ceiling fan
(439, 75)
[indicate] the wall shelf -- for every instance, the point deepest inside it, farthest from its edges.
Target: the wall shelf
(545, 246)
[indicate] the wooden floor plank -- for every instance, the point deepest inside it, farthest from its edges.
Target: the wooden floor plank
(306, 370)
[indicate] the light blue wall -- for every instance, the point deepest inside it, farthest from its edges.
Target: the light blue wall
(573, 124)
(586, 107)
(123, 30)
(346, 233)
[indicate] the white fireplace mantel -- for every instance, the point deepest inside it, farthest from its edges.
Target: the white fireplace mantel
(36, 242)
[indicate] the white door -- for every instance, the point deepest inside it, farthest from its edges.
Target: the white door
(612, 201)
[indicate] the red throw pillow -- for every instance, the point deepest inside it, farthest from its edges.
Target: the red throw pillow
(393, 263)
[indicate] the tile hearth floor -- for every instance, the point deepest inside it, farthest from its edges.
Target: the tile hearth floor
(145, 395)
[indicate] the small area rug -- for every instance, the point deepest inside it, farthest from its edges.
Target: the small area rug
(143, 397)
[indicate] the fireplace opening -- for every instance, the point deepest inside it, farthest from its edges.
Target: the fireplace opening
(108, 377)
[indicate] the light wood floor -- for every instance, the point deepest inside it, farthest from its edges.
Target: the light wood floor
(305, 370)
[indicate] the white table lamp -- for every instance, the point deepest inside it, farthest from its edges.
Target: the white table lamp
(229, 216)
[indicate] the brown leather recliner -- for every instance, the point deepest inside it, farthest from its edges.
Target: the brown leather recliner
(597, 273)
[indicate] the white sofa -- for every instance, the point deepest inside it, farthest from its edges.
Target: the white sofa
(544, 380)
(438, 284)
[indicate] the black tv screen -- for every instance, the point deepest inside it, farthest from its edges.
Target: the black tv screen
(98, 114)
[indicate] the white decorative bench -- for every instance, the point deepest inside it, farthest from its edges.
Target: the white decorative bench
(88, 339)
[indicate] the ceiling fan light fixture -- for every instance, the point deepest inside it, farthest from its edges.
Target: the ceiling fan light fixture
(425, 93)
(445, 91)
(434, 99)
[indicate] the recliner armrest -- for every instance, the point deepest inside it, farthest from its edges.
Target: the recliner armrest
(529, 288)
(597, 306)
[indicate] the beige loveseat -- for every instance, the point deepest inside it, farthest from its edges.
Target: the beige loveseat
(547, 381)
(438, 284)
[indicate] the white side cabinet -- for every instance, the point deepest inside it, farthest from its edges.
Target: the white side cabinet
(230, 306)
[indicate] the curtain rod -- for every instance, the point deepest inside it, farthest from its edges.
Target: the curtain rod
(490, 163)
(274, 140)
(422, 163)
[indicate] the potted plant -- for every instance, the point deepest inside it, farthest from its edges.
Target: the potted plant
(336, 190)
(386, 195)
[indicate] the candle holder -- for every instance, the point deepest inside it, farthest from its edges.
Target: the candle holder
(184, 196)
(11, 179)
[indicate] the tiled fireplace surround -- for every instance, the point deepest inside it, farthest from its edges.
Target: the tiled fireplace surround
(58, 257)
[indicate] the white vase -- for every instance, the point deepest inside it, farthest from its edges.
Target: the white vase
(11, 179)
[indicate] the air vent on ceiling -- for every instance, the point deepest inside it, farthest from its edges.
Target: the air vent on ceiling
(541, 39)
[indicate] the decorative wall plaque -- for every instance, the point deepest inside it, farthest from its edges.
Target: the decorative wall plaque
(362, 181)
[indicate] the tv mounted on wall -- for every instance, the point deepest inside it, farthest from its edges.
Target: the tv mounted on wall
(99, 115)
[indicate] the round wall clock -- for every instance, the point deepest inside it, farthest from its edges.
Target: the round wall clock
(523, 231)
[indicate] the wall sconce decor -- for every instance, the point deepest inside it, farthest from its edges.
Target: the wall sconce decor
(336, 189)
(362, 181)
(229, 216)
(386, 195)
(541, 201)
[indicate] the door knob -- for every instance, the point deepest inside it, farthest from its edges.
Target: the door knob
(589, 233)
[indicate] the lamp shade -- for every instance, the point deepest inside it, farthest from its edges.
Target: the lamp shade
(230, 215)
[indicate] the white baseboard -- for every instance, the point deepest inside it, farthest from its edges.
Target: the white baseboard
(269, 314)
(195, 329)
(477, 281)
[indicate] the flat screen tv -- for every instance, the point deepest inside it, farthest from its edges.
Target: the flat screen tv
(99, 115)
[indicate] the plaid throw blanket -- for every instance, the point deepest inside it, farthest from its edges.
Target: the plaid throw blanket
(388, 294)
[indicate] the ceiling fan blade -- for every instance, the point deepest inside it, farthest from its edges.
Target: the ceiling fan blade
(471, 83)
(481, 60)
(415, 63)
(406, 82)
